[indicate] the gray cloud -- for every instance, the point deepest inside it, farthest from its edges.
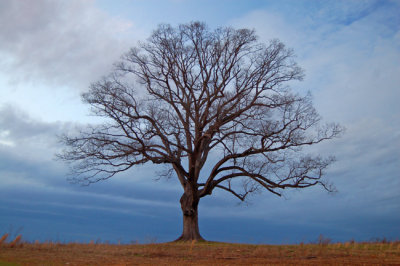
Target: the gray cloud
(21, 126)
(26, 138)
(35, 195)
(59, 42)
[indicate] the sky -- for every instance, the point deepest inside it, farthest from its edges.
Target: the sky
(50, 52)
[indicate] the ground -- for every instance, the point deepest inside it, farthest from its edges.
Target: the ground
(199, 253)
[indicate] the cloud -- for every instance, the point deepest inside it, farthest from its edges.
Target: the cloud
(350, 51)
(59, 42)
(25, 138)
(35, 195)
(352, 68)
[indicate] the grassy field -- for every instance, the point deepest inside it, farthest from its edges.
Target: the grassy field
(17, 252)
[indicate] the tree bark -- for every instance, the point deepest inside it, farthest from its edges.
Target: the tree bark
(189, 203)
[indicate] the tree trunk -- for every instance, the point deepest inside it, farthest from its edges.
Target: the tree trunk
(189, 203)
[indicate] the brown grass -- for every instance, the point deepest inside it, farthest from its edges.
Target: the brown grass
(16, 242)
(199, 253)
(3, 239)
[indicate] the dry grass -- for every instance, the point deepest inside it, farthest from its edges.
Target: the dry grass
(198, 253)
(16, 242)
(3, 239)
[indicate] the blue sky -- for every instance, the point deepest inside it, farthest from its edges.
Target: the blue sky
(50, 51)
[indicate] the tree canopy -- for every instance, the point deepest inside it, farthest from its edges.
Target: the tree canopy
(188, 97)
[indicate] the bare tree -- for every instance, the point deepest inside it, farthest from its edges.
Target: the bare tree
(216, 96)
